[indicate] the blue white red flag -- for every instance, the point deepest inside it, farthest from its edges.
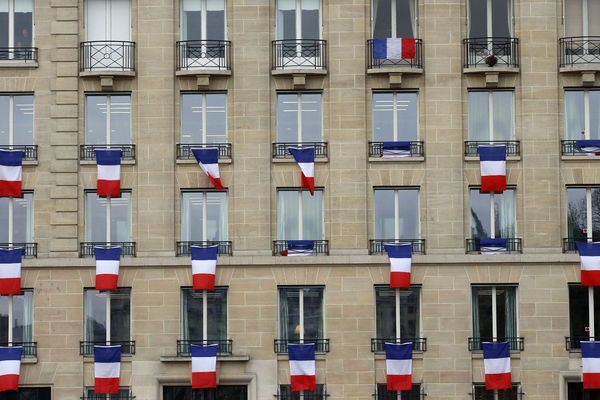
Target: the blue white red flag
(204, 366)
(398, 363)
(393, 48)
(493, 168)
(589, 254)
(107, 267)
(109, 172)
(11, 173)
(10, 367)
(591, 147)
(400, 264)
(492, 246)
(496, 365)
(299, 248)
(306, 161)
(590, 357)
(208, 159)
(395, 149)
(204, 264)
(107, 369)
(10, 271)
(302, 366)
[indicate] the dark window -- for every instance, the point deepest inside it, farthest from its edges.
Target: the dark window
(579, 311)
(42, 393)
(480, 393)
(384, 394)
(285, 393)
(576, 392)
(220, 393)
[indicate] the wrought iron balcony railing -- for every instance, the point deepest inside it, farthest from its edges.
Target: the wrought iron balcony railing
(491, 52)
(416, 149)
(570, 148)
(415, 394)
(30, 151)
(513, 147)
(285, 393)
(107, 55)
(573, 343)
(378, 344)
(579, 50)
(281, 345)
(87, 348)
(374, 63)
(299, 54)
(87, 151)
(224, 247)
(184, 348)
(29, 348)
(203, 54)
(86, 249)
(280, 149)
(21, 54)
(513, 245)
(516, 343)
(320, 247)
(377, 246)
(119, 396)
(570, 244)
(29, 249)
(184, 150)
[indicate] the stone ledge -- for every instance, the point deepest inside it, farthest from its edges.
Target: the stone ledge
(483, 70)
(298, 71)
(509, 158)
(18, 64)
(393, 70)
(396, 159)
(580, 158)
(200, 71)
(232, 358)
(225, 161)
(92, 162)
(291, 160)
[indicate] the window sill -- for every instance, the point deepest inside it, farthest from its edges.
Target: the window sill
(484, 69)
(106, 72)
(18, 64)
(169, 359)
(285, 357)
(29, 360)
(221, 161)
(291, 160)
(583, 67)
(395, 70)
(31, 163)
(514, 355)
(299, 71)
(93, 162)
(398, 159)
(417, 355)
(509, 158)
(580, 158)
(203, 71)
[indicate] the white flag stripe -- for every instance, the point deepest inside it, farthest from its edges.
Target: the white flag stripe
(308, 169)
(398, 367)
(394, 48)
(305, 367)
(590, 263)
(12, 270)
(204, 266)
(107, 370)
(107, 267)
(10, 367)
(493, 168)
(204, 364)
(400, 264)
(211, 169)
(496, 365)
(10, 173)
(109, 172)
(591, 365)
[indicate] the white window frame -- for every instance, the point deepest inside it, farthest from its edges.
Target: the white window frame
(300, 215)
(203, 10)
(397, 291)
(300, 111)
(393, 5)
(11, 23)
(490, 93)
(11, 311)
(108, 21)
(395, 107)
(298, 14)
(88, 218)
(492, 210)
(301, 309)
(396, 191)
(586, 110)
(11, 216)
(109, 111)
(108, 314)
(494, 296)
(490, 17)
(11, 112)
(205, 321)
(588, 209)
(185, 236)
(204, 112)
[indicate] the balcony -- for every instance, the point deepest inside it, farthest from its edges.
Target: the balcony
(86, 249)
(377, 246)
(573, 343)
(29, 348)
(571, 148)
(204, 57)
(184, 348)
(87, 151)
(117, 396)
(107, 58)
(29, 249)
(127, 347)
(569, 245)
(491, 56)
(513, 147)
(281, 149)
(285, 393)
(224, 248)
(321, 345)
(516, 343)
(513, 246)
(417, 152)
(30, 151)
(280, 247)
(395, 66)
(184, 150)
(579, 53)
(378, 344)
(18, 57)
(299, 57)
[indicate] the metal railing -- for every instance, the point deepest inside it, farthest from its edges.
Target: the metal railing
(573, 343)
(86, 249)
(415, 394)
(377, 246)
(184, 150)
(184, 348)
(285, 393)
(579, 50)
(298, 54)
(281, 149)
(30, 151)
(378, 344)
(513, 245)
(107, 55)
(29, 348)
(570, 148)
(280, 346)
(119, 396)
(224, 247)
(516, 343)
(87, 348)
(416, 149)
(513, 147)
(22, 54)
(29, 248)
(490, 52)
(417, 62)
(321, 247)
(203, 54)
(570, 244)
(87, 151)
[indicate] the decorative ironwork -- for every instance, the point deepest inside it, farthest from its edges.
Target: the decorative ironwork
(516, 343)
(185, 350)
(415, 394)
(285, 393)
(127, 347)
(570, 148)
(87, 151)
(513, 147)
(570, 244)
(203, 54)
(86, 249)
(374, 63)
(491, 51)
(120, 396)
(416, 149)
(513, 245)
(579, 50)
(573, 343)
(29, 348)
(321, 247)
(22, 54)
(29, 249)
(30, 151)
(281, 149)
(107, 55)
(299, 54)
(378, 344)
(224, 247)
(377, 246)
(184, 150)
(321, 345)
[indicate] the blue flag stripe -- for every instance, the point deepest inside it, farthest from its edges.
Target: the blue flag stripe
(208, 155)
(399, 251)
(401, 351)
(107, 354)
(10, 353)
(11, 256)
(306, 155)
(491, 242)
(11, 158)
(112, 253)
(204, 253)
(204, 351)
(108, 156)
(495, 350)
(584, 143)
(590, 349)
(588, 249)
(492, 153)
(301, 352)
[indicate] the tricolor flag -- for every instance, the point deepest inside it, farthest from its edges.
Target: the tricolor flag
(204, 366)
(302, 366)
(492, 246)
(589, 254)
(398, 363)
(590, 358)
(204, 264)
(109, 172)
(11, 173)
(299, 248)
(208, 158)
(107, 267)
(395, 149)
(591, 147)
(393, 48)
(10, 271)
(496, 365)
(107, 369)
(493, 168)
(400, 263)
(10, 367)
(306, 161)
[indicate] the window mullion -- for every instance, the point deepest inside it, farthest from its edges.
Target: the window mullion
(205, 315)
(396, 215)
(300, 217)
(204, 114)
(301, 312)
(588, 203)
(394, 29)
(494, 316)
(108, 327)
(299, 117)
(395, 112)
(585, 18)
(491, 114)
(203, 19)
(10, 319)
(204, 215)
(108, 111)
(586, 113)
(299, 19)
(11, 24)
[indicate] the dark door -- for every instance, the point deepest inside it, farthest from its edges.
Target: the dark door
(220, 393)
(576, 392)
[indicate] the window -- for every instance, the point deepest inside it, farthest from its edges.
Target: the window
(27, 393)
(491, 115)
(108, 319)
(298, 19)
(204, 317)
(391, 304)
(581, 18)
(108, 20)
(583, 213)
(203, 20)
(575, 392)
(285, 393)
(203, 118)
(98, 228)
(299, 215)
(492, 222)
(396, 213)
(220, 393)
(124, 394)
(18, 329)
(580, 326)
(395, 116)
(108, 119)
(383, 394)
(480, 393)
(16, 119)
(16, 219)
(301, 316)
(204, 216)
(16, 27)
(394, 18)
(582, 114)
(495, 315)
(299, 117)
(490, 18)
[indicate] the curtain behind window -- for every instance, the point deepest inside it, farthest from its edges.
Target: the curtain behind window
(479, 117)
(574, 115)
(504, 212)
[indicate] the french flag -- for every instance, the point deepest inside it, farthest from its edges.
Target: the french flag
(591, 147)
(306, 161)
(107, 369)
(204, 366)
(496, 365)
(590, 357)
(393, 48)
(493, 168)
(302, 366)
(299, 248)
(400, 263)
(107, 267)
(398, 363)
(208, 159)
(492, 246)
(204, 264)
(11, 173)
(395, 149)
(589, 254)
(10, 367)
(109, 172)
(10, 271)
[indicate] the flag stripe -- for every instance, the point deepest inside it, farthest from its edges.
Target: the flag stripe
(9, 382)
(10, 367)
(12, 270)
(590, 263)
(10, 286)
(10, 173)
(398, 367)
(201, 380)
(591, 365)
(204, 364)
(308, 169)
(106, 385)
(400, 264)
(303, 382)
(203, 281)
(107, 370)
(109, 172)
(107, 267)
(204, 266)
(400, 280)
(498, 381)
(496, 365)
(493, 168)
(305, 367)
(399, 382)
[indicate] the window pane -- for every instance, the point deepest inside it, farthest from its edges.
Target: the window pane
(286, 19)
(191, 118)
(310, 19)
(383, 117)
(289, 313)
(595, 194)
(501, 18)
(120, 119)
(216, 118)
(3, 319)
(217, 314)
(573, 18)
(288, 223)
(23, 23)
(503, 115)
(95, 218)
(408, 214)
(477, 20)
(215, 20)
(482, 312)
(120, 311)
(95, 119)
(405, 17)
(313, 313)
(384, 214)
(4, 108)
(406, 110)
(120, 218)
(95, 316)
(594, 117)
(479, 125)
(311, 118)
(504, 214)
(191, 24)
(480, 214)
(192, 314)
(312, 215)
(506, 312)
(574, 115)
(216, 216)
(287, 117)
(192, 218)
(409, 313)
(382, 18)
(4, 24)
(23, 219)
(385, 312)
(4, 220)
(576, 213)
(23, 120)
(593, 12)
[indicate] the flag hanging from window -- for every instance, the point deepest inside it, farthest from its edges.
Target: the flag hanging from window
(10, 367)
(107, 267)
(393, 48)
(398, 363)
(208, 159)
(400, 264)
(492, 246)
(302, 366)
(590, 358)
(109, 172)
(107, 369)
(395, 149)
(493, 168)
(204, 264)
(299, 248)
(496, 365)
(589, 255)
(10, 271)
(591, 147)
(306, 161)
(11, 173)
(204, 366)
